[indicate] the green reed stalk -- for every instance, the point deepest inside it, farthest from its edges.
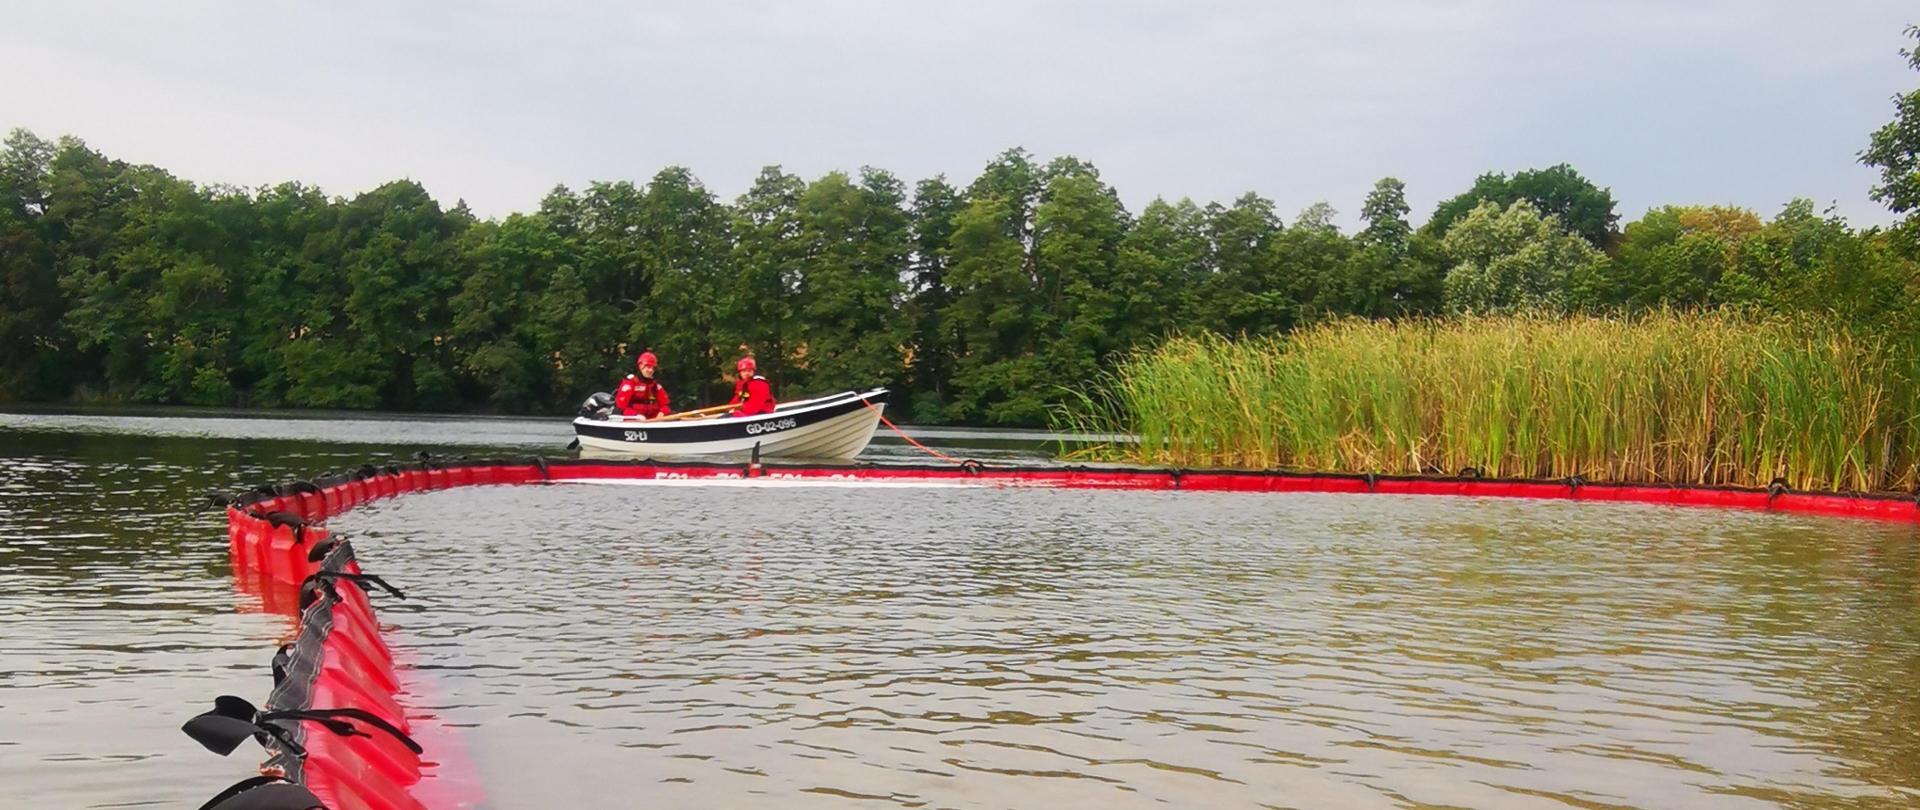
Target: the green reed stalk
(1667, 397)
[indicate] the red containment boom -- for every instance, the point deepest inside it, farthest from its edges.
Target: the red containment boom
(340, 663)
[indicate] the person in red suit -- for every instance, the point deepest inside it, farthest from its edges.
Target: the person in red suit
(641, 395)
(751, 394)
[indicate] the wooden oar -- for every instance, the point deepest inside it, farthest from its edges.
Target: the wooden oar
(690, 414)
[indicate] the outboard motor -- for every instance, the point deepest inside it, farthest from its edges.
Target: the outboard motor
(598, 406)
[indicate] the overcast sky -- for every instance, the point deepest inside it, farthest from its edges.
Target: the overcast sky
(1750, 102)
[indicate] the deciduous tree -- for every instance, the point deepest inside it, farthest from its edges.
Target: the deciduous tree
(1557, 191)
(1895, 150)
(1513, 259)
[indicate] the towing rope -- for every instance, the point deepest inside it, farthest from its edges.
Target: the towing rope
(910, 440)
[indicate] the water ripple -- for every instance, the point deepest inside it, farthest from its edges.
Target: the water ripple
(1005, 647)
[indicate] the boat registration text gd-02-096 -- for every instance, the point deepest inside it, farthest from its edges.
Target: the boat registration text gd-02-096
(769, 427)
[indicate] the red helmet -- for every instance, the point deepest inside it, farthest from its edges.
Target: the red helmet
(647, 359)
(745, 366)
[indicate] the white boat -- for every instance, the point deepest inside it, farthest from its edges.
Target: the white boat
(830, 427)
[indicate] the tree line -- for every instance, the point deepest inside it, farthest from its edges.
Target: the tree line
(984, 303)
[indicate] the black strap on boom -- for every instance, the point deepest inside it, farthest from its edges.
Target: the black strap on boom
(332, 720)
(323, 581)
(278, 519)
(264, 793)
(234, 719)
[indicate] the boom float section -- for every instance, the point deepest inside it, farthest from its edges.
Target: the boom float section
(335, 727)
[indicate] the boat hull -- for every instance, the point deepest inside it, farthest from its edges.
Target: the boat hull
(831, 427)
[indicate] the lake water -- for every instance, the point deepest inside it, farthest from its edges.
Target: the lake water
(774, 645)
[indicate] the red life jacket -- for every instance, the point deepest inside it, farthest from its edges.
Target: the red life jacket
(752, 396)
(641, 397)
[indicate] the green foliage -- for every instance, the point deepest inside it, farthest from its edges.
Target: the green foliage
(1675, 256)
(399, 276)
(757, 310)
(1393, 272)
(854, 242)
(1557, 191)
(1310, 260)
(1803, 262)
(1667, 398)
(1895, 150)
(996, 301)
(1159, 271)
(31, 304)
(688, 236)
(931, 353)
(506, 266)
(993, 315)
(1514, 259)
(1077, 231)
(1245, 293)
(1038, 301)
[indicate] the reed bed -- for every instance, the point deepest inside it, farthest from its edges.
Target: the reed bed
(1715, 399)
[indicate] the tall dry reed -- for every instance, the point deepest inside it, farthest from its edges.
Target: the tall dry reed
(1669, 397)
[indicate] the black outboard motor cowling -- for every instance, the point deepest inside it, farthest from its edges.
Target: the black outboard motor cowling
(598, 406)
